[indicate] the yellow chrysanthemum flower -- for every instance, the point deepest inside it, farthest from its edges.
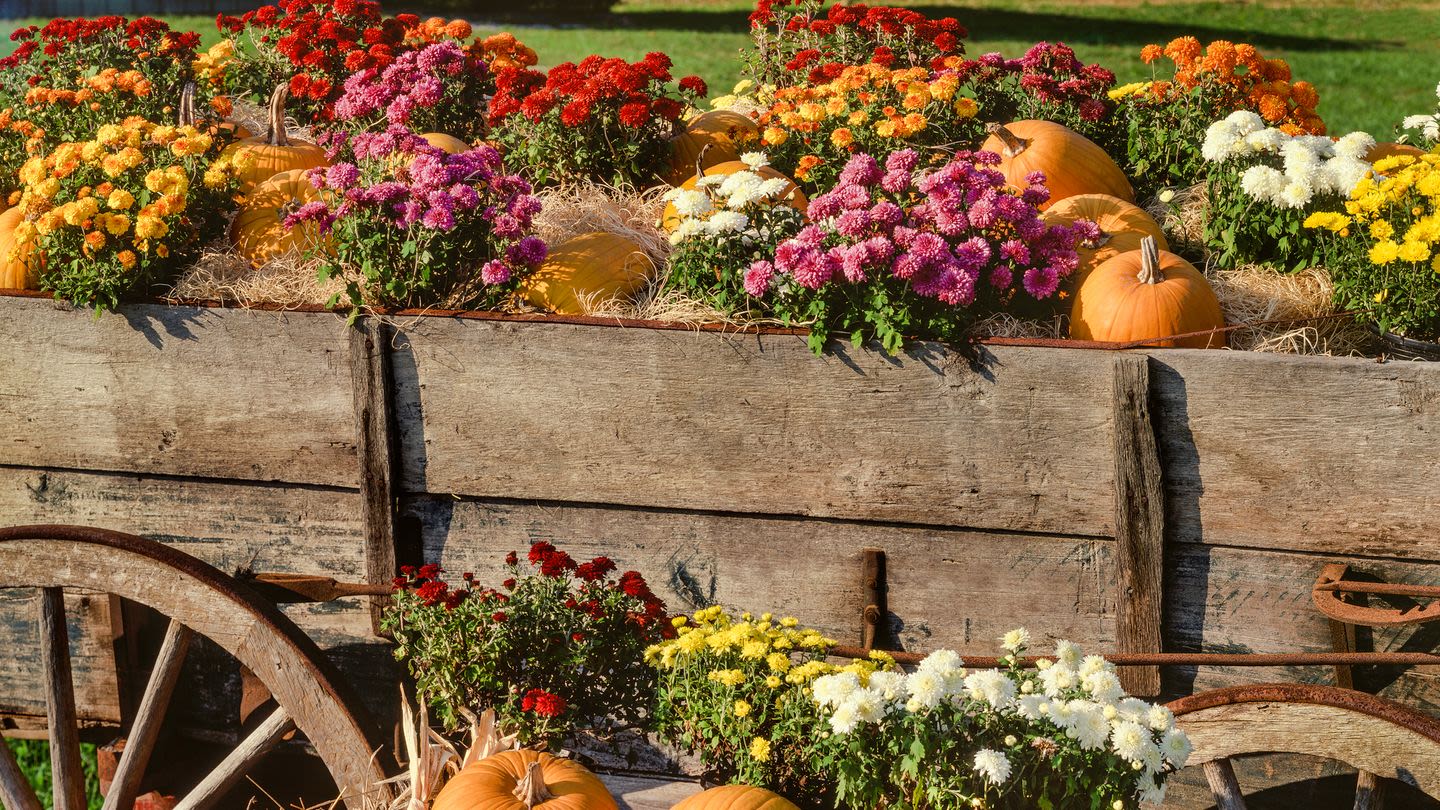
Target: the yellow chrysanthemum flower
(1384, 252)
(760, 749)
(1414, 252)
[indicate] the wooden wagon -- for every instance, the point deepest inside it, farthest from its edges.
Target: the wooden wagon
(1166, 500)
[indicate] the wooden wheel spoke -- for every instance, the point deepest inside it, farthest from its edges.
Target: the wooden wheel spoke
(64, 724)
(1369, 791)
(1221, 776)
(250, 751)
(15, 790)
(149, 718)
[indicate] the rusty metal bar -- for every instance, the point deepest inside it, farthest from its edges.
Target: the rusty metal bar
(1326, 659)
(1381, 588)
(284, 588)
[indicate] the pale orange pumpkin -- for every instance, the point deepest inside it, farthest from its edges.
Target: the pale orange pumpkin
(260, 158)
(259, 233)
(792, 195)
(587, 270)
(1122, 227)
(1145, 295)
(736, 797)
(1072, 163)
(446, 143)
(23, 271)
(723, 131)
(524, 780)
(1380, 151)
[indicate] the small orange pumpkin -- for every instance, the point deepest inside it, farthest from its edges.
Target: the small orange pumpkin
(446, 143)
(586, 270)
(1144, 295)
(1122, 227)
(723, 131)
(524, 780)
(260, 158)
(736, 797)
(259, 233)
(1073, 164)
(21, 272)
(791, 195)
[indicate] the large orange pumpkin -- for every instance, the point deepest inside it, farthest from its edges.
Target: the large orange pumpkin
(23, 271)
(586, 270)
(736, 797)
(725, 132)
(791, 195)
(1072, 163)
(1380, 151)
(259, 233)
(524, 780)
(260, 158)
(446, 143)
(1144, 295)
(1122, 227)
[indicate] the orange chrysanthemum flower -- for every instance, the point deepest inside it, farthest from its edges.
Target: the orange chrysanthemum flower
(1148, 54)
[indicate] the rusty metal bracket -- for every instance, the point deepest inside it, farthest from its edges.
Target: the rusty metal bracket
(873, 635)
(290, 588)
(1331, 589)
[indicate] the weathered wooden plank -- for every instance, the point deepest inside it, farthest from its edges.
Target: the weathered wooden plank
(647, 793)
(15, 790)
(748, 423)
(149, 719)
(92, 662)
(1322, 454)
(233, 768)
(177, 390)
(1139, 524)
(370, 376)
(962, 589)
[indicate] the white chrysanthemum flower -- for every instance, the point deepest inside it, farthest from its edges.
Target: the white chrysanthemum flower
(926, 687)
(1160, 719)
(1220, 141)
(1016, 640)
(709, 180)
(1266, 140)
(845, 719)
(993, 765)
(722, 223)
(941, 662)
(1297, 194)
(1152, 793)
(1259, 181)
(1355, 145)
(1088, 725)
(992, 686)
(890, 685)
(1132, 709)
(1031, 707)
(1245, 121)
(693, 203)
(1104, 687)
(869, 705)
(1345, 174)
(1057, 679)
(1429, 125)
(1129, 740)
(755, 160)
(833, 690)
(1061, 713)
(687, 229)
(1067, 653)
(915, 706)
(774, 187)
(1092, 664)
(1176, 747)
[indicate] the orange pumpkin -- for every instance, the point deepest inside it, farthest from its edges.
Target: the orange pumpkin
(446, 143)
(791, 195)
(1144, 295)
(524, 780)
(259, 233)
(1122, 227)
(1072, 163)
(736, 797)
(260, 158)
(1380, 151)
(587, 270)
(723, 131)
(21, 272)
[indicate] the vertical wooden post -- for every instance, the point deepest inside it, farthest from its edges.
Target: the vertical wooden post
(873, 633)
(64, 723)
(375, 445)
(1139, 523)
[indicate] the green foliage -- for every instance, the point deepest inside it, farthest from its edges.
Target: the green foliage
(1240, 229)
(33, 756)
(1162, 141)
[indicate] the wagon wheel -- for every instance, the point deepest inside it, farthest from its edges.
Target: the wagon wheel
(1378, 737)
(199, 600)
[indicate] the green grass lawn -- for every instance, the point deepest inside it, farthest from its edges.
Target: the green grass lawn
(1373, 62)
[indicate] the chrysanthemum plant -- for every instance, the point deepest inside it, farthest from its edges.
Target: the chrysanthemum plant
(1424, 130)
(437, 88)
(734, 689)
(1063, 736)
(1383, 249)
(724, 225)
(414, 226)
(1166, 118)
(124, 211)
(557, 648)
(1263, 183)
(899, 251)
(601, 120)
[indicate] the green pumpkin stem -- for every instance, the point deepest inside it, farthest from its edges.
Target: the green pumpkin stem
(1014, 144)
(1150, 272)
(275, 135)
(531, 789)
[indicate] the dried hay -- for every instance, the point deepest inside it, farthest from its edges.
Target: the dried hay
(572, 210)
(223, 275)
(1005, 325)
(1301, 302)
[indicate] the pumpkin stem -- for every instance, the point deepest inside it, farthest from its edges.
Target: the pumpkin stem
(276, 136)
(1014, 144)
(531, 790)
(187, 105)
(1150, 262)
(700, 160)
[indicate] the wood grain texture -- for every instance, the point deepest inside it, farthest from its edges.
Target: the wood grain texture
(1319, 454)
(238, 762)
(962, 589)
(647, 793)
(177, 390)
(1139, 524)
(375, 443)
(15, 790)
(68, 782)
(755, 424)
(149, 718)
(1223, 784)
(92, 660)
